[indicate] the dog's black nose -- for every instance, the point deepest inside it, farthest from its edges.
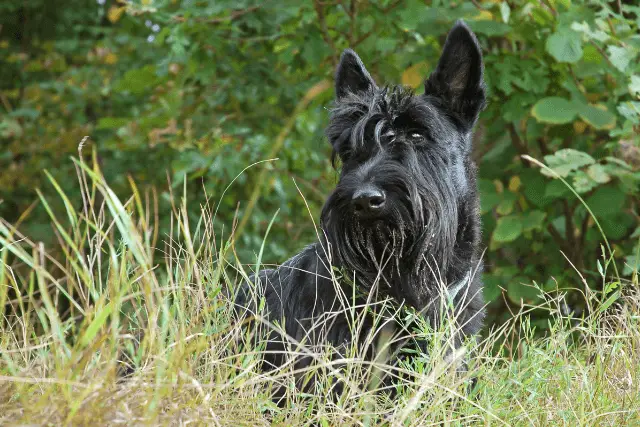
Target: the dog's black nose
(368, 202)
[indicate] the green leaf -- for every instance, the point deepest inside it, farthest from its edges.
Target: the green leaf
(616, 226)
(565, 46)
(10, 128)
(489, 197)
(634, 85)
(491, 290)
(505, 12)
(533, 220)
(609, 287)
(606, 201)
(112, 122)
(618, 162)
(600, 270)
(554, 110)
(620, 57)
(597, 116)
(96, 324)
(542, 16)
(489, 28)
(612, 298)
(507, 203)
(584, 28)
(508, 229)
(631, 264)
(137, 81)
(410, 15)
(630, 110)
(566, 160)
(582, 183)
(560, 224)
(556, 189)
(534, 187)
(597, 173)
(29, 113)
(519, 292)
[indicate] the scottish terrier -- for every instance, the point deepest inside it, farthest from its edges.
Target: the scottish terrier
(403, 221)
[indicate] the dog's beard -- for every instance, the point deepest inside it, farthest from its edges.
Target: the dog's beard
(383, 245)
(379, 242)
(415, 238)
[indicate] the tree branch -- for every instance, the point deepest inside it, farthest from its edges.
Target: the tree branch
(583, 232)
(557, 237)
(519, 144)
(352, 22)
(602, 52)
(570, 231)
(324, 31)
(543, 146)
(218, 20)
(391, 6)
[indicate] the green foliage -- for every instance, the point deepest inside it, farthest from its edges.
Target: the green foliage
(554, 110)
(508, 228)
(565, 45)
(197, 91)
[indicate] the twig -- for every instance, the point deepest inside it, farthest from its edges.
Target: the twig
(548, 6)
(519, 144)
(233, 15)
(352, 21)
(324, 31)
(361, 39)
(391, 6)
(6, 103)
(612, 28)
(576, 81)
(583, 233)
(602, 52)
(558, 238)
(543, 146)
(570, 232)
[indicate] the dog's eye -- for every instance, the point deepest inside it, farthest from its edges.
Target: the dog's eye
(390, 135)
(416, 137)
(345, 154)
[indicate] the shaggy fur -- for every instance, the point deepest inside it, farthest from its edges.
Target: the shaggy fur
(417, 228)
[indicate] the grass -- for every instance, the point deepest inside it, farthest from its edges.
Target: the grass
(121, 293)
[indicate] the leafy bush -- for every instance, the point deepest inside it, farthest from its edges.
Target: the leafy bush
(205, 89)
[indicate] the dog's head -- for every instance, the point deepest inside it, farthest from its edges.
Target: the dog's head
(405, 160)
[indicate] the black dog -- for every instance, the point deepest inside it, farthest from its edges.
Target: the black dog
(403, 222)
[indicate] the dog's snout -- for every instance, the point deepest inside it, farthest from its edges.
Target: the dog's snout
(368, 202)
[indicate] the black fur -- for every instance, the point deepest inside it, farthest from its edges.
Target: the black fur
(418, 227)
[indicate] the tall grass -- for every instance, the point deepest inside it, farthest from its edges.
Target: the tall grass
(114, 296)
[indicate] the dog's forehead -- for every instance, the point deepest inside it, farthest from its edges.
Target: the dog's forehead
(410, 112)
(386, 114)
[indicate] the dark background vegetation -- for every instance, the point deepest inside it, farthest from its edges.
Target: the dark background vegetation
(176, 90)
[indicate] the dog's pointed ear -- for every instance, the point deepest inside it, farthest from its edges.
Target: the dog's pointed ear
(458, 78)
(351, 75)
